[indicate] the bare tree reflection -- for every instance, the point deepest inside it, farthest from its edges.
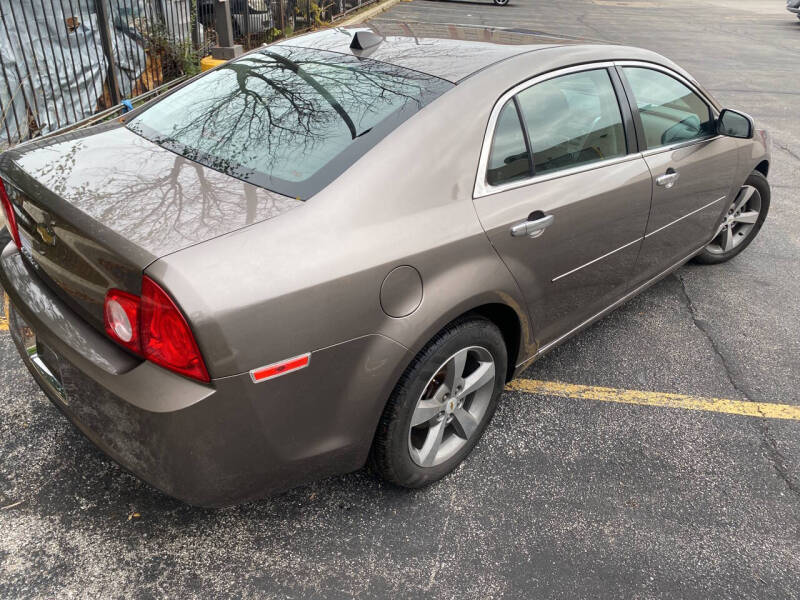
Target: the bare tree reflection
(284, 112)
(151, 197)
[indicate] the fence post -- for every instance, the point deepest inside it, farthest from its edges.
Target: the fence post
(194, 23)
(225, 49)
(105, 38)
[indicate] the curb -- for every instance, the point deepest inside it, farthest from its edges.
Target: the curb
(367, 13)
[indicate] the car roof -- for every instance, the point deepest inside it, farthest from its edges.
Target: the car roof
(450, 52)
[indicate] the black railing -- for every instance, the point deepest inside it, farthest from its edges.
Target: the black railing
(66, 62)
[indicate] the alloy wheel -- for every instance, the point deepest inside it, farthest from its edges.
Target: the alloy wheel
(452, 406)
(739, 222)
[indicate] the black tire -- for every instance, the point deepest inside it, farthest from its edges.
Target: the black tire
(713, 254)
(390, 456)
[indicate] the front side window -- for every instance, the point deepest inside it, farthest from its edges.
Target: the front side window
(286, 118)
(572, 120)
(670, 111)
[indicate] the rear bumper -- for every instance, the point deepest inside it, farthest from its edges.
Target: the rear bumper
(208, 445)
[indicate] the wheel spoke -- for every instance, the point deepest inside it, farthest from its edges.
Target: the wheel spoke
(455, 370)
(483, 375)
(464, 423)
(750, 216)
(452, 406)
(425, 411)
(727, 239)
(429, 450)
(744, 197)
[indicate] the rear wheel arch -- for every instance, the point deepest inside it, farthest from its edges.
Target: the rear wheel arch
(512, 322)
(507, 321)
(506, 318)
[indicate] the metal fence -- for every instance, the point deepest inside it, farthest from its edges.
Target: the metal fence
(68, 62)
(260, 21)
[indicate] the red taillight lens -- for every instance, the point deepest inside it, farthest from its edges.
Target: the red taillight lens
(154, 328)
(11, 219)
(122, 319)
(165, 335)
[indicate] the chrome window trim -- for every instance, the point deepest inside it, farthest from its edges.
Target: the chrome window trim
(488, 190)
(657, 67)
(689, 84)
(679, 145)
(483, 188)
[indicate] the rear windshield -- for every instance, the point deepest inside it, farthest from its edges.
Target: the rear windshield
(285, 118)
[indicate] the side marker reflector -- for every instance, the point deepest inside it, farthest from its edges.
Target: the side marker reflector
(280, 368)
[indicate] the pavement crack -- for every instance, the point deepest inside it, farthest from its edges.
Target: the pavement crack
(788, 150)
(779, 462)
(700, 324)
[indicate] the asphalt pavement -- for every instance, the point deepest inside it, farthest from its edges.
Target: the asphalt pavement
(564, 497)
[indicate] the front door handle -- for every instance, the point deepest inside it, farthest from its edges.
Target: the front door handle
(534, 227)
(668, 179)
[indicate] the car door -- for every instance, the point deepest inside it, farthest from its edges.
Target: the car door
(563, 194)
(693, 168)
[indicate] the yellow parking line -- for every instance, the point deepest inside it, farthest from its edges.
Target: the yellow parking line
(4, 314)
(605, 394)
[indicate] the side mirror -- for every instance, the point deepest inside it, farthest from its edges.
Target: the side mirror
(735, 124)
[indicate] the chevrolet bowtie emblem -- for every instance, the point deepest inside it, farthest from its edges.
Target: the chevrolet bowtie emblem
(47, 235)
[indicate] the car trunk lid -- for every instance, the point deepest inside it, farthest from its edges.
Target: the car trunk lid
(95, 208)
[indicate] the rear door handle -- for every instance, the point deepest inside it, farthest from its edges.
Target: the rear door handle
(533, 227)
(668, 179)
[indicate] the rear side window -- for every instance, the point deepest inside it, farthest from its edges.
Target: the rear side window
(669, 110)
(287, 119)
(509, 159)
(573, 120)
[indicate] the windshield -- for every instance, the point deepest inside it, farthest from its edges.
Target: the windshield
(285, 118)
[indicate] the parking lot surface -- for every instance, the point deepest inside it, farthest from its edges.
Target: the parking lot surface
(586, 485)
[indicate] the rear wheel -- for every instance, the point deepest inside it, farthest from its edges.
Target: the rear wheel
(500, 2)
(741, 223)
(441, 405)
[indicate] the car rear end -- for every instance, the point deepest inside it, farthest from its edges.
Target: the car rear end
(205, 439)
(148, 375)
(140, 401)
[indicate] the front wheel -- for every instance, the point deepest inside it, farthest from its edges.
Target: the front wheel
(500, 2)
(441, 405)
(741, 223)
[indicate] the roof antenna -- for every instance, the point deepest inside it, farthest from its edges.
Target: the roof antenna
(365, 39)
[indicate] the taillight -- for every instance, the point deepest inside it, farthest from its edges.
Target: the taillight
(166, 337)
(11, 219)
(122, 319)
(153, 327)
